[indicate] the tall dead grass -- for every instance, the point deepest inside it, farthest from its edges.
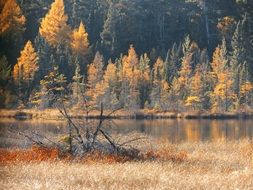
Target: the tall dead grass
(216, 165)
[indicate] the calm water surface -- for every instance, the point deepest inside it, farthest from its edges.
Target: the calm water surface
(175, 131)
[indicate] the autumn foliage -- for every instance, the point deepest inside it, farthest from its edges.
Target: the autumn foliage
(11, 18)
(54, 26)
(27, 65)
(184, 78)
(80, 42)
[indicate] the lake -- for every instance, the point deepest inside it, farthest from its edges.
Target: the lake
(173, 130)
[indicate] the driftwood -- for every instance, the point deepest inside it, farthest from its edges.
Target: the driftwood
(85, 137)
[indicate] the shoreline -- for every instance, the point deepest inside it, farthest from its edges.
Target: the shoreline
(54, 114)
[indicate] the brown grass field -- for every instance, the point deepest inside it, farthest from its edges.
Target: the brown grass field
(212, 165)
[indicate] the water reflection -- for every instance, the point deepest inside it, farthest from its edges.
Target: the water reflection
(189, 130)
(173, 130)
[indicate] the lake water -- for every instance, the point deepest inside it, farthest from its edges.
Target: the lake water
(175, 131)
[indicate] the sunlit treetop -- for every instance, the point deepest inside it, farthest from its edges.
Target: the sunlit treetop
(27, 64)
(219, 58)
(159, 69)
(54, 26)
(80, 42)
(132, 58)
(11, 18)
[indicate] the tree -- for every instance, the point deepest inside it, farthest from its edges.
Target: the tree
(129, 77)
(160, 87)
(226, 27)
(185, 73)
(196, 90)
(44, 51)
(107, 89)
(172, 63)
(5, 71)
(222, 96)
(12, 27)
(78, 88)
(238, 56)
(24, 71)
(27, 65)
(80, 42)
(54, 26)
(12, 21)
(145, 79)
(109, 37)
(52, 90)
(246, 87)
(94, 77)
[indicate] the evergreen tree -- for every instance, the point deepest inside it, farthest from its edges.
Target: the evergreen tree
(145, 79)
(109, 36)
(185, 73)
(238, 57)
(5, 71)
(78, 88)
(246, 88)
(172, 63)
(52, 90)
(5, 74)
(43, 50)
(65, 61)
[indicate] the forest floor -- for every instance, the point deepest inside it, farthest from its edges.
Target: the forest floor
(202, 165)
(54, 114)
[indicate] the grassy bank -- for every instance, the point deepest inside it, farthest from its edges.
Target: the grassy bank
(54, 114)
(220, 165)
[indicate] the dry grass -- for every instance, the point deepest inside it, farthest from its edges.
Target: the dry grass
(222, 165)
(54, 114)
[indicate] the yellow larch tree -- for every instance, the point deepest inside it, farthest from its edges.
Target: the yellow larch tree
(27, 65)
(222, 95)
(158, 70)
(130, 78)
(94, 78)
(11, 18)
(196, 90)
(106, 89)
(130, 63)
(110, 76)
(160, 87)
(80, 42)
(54, 26)
(91, 79)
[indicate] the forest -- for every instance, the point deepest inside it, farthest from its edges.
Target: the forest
(184, 55)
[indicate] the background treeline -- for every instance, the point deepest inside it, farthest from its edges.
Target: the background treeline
(194, 54)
